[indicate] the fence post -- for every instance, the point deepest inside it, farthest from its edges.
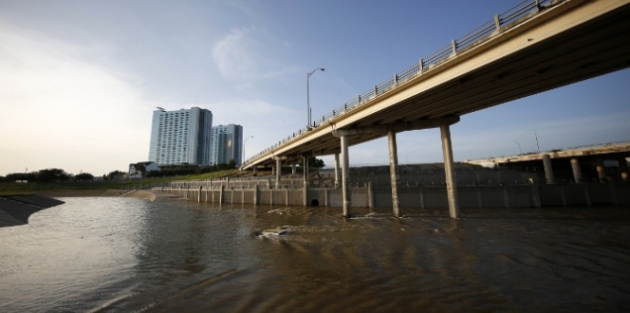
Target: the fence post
(221, 194)
(454, 45)
(497, 22)
(370, 195)
(255, 200)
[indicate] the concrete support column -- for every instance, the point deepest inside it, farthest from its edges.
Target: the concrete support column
(451, 188)
(293, 169)
(255, 170)
(336, 170)
(548, 169)
(344, 176)
(577, 171)
(278, 172)
(601, 170)
(305, 184)
(255, 199)
(623, 169)
(393, 170)
(305, 162)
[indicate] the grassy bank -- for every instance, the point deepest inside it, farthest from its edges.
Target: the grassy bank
(12, 188)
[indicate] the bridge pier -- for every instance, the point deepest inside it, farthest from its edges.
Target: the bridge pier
(623, 168)
(278, 171)
(601, 170)
(577, 171)
(393, 170)
(344, 176)
(305, 162)
(336, 170)
(548, 169)
(451, 188)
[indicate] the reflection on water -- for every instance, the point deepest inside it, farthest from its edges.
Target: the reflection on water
(124, 254)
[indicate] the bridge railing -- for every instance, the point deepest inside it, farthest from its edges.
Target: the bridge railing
(521, 11)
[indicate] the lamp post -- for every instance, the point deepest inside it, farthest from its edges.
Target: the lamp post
(244, 142)
(519, 147)
(308, 101)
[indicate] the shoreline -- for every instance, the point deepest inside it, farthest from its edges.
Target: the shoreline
(151, 195)
(15, 210)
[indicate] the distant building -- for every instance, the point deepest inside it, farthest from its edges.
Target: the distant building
(182, 136)
(138, 170)
(227, 144)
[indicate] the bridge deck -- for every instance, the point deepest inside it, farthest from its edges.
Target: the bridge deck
(564, 43)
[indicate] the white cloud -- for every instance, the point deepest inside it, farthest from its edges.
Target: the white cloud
(60, 110)
(249, 55)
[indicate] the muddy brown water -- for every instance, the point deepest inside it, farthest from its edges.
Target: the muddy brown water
(132, 255)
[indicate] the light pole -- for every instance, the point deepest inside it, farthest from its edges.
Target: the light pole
(244, 142)
(519, 147)
(308, 100)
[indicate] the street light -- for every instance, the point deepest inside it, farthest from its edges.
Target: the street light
(519, 147)
(308, 101)
(244, 142)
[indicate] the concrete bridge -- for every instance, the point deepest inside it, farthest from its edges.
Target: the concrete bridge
(536, 46)
(572, 158)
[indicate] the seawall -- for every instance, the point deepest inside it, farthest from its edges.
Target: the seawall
(410, 196)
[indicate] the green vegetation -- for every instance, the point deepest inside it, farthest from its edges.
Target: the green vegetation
(13, 188)
(314, 162)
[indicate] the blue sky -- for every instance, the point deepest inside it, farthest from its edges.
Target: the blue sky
(79, 79)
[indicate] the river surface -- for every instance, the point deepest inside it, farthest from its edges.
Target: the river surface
(132, 255)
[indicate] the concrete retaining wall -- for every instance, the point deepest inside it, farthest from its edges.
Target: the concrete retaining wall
(498, 196)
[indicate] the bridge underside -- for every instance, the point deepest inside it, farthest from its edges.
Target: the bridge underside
(591, 49)
(550, 47)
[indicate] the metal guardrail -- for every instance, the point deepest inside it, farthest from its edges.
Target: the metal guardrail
(474, 37)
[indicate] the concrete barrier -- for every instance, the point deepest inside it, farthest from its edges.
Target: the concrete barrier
(432, 196)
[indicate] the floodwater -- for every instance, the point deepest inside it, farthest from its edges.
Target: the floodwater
(132, 255)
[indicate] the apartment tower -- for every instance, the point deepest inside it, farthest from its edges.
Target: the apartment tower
(227, 144)
(182, 136)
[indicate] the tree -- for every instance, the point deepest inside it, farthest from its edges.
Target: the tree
(52, 175)
(84, 177)
(141, 168)
(11, 177)
(114, 175)
(314, 162)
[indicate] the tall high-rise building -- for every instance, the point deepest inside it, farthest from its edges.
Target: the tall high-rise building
(181, 136)
(227, 144)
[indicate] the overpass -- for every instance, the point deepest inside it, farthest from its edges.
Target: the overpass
(536, 46)
(571, 156)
